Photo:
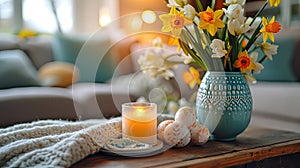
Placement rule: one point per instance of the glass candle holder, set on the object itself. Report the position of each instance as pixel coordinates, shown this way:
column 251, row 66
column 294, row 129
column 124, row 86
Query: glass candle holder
column 139, row 122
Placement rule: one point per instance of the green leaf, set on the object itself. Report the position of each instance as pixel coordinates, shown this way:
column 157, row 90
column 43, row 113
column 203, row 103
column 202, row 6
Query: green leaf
column 233, row 41
column 193, row 54
column 198, row 47
column 199, row 5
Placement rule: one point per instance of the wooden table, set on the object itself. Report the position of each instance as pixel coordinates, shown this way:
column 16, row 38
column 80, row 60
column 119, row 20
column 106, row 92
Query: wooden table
column 256, row 147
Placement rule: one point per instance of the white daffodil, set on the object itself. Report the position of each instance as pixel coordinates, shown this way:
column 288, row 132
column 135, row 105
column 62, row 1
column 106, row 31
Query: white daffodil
column 234, row 11
column 241, row 2
column 249, row 77
column 269, row 49
column 181, row 2
column 237, row 26
column 218, row 48
column 177, row 3
column 258, row 66
column 254, row 25
column 189, row 11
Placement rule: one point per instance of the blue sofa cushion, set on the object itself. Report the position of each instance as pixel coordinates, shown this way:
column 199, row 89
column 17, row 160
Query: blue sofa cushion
column 16, row 70
column 90, row 55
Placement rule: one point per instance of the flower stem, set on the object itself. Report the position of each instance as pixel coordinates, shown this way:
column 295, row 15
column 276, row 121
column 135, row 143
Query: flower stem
column 256, row 47
column 259, row 12
column 230, row 65
column 213, row 4
column 254, row 36
column 235, row 46
column 223, row 33
column 263, row 59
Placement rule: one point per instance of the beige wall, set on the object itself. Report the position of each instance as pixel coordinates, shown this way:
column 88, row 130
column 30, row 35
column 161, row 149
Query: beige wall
column 86, row 14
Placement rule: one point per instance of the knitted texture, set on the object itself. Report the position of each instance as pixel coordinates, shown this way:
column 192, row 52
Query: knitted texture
column 56, row 143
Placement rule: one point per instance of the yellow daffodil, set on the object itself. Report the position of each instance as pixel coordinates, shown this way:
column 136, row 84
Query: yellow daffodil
column 269, row 28
column 191, row 77
column 211, row 21
column 174, row 21
column 244, row 62
column 274, row 3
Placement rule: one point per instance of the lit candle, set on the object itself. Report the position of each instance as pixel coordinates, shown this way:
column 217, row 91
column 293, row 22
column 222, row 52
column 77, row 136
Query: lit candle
column 139, row 122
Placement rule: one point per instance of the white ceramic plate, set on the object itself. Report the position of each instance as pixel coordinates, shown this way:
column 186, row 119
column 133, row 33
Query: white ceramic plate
column 135, row 152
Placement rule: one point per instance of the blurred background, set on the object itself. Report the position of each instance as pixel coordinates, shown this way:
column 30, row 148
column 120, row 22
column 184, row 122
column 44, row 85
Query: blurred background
column 119, row 28
column 77, row 16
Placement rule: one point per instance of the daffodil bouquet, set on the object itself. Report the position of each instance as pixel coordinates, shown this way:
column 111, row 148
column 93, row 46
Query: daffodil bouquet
column 221, row 39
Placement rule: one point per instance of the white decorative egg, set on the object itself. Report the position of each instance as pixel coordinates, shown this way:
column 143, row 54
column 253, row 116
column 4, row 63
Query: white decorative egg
column 161, row 128
column 186, row 115
column 195, row 125
column 185, row 140
column 174, row 132
column 199, row 134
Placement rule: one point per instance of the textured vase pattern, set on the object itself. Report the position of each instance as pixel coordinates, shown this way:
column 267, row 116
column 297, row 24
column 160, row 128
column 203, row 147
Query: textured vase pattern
column 224, row 104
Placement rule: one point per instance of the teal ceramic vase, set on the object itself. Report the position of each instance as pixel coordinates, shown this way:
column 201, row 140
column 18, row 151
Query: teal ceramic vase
column 224, row 104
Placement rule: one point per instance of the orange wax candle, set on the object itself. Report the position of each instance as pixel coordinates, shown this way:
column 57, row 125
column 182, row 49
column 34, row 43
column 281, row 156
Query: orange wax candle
column 139, row 122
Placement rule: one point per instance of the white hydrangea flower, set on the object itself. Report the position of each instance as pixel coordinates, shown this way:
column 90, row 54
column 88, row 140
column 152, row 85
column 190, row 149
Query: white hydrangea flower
column 258, row 66
column 269, row 49
column 189, row 11
column 218, row 48
column 237, row 26
column 241, row 2
column 234, row 11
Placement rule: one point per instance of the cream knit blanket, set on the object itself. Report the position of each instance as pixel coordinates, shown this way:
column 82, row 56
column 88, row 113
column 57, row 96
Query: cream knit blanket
column 55, row 143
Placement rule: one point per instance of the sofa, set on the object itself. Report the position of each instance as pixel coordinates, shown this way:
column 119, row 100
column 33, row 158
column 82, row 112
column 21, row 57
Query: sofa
column 24, row 99
column 276, row 95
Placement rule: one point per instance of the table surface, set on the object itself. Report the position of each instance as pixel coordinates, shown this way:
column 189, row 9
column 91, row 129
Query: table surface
column 254, row 144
